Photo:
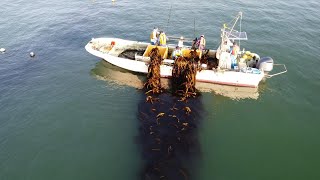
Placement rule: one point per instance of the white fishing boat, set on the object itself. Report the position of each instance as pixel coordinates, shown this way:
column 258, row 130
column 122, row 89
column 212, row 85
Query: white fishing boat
column 244, row 69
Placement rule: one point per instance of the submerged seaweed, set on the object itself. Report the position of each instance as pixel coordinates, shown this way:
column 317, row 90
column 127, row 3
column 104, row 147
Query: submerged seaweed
column 168, row 124
column 168, row 135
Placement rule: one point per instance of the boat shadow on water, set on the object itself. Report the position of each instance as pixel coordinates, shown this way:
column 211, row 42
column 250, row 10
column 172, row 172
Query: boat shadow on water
column 113, row 74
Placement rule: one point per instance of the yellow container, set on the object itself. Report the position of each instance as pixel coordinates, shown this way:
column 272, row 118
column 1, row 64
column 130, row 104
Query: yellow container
column 245, row 56
column 163, row 51
column 186, row 53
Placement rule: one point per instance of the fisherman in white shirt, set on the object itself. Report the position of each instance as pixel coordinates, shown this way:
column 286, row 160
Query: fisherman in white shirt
column 153, row 36
column 180, row 43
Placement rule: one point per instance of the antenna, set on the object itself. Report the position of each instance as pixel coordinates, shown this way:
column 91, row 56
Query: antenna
column 194, row 27
column 169, row 18
column 240, row 30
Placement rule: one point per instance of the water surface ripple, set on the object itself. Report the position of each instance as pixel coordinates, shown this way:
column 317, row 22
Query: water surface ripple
column 58, row 121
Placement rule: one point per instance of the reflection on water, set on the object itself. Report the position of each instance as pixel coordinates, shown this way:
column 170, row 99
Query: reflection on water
column 232, row 92
column 108, row 72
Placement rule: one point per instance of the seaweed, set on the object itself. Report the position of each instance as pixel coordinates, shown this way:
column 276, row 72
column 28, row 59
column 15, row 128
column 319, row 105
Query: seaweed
column 168, row 123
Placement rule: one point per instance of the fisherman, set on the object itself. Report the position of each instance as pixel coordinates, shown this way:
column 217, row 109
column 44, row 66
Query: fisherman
column 153, row 36
column 225, row 47
column 162, row 39
column 195, row 43
column 202, row 43
column 234, row 54
column 235, row 49
column 158, row 38
column 176, row 53
column 180, row 42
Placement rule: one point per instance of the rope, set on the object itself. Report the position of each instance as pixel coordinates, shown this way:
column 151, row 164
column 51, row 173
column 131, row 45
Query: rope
column 240, row 31
column 194, row 27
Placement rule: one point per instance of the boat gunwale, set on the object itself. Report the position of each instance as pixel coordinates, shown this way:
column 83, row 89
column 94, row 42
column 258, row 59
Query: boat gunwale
column 107, row 55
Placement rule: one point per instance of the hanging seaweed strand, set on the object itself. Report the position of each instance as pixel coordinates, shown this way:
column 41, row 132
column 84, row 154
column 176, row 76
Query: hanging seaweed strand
column 153, row 83
column 184, row 75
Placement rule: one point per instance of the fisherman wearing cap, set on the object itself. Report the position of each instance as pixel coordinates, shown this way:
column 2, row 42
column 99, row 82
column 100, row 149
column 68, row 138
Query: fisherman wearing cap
column 176, row 53
column 195, row 43
column 202, row 43
column 234, row 54
column 153, row 36
column 162, row 39
column 235, row 49
column 180, row 43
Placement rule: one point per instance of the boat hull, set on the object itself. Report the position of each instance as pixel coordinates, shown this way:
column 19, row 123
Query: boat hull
column 224, row 77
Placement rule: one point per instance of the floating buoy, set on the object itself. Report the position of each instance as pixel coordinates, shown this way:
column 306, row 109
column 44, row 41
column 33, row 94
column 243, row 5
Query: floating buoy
column 2, row 50
column 32, row 54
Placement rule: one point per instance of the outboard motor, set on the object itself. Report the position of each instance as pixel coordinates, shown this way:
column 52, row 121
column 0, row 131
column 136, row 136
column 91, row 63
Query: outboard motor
column 265, row 64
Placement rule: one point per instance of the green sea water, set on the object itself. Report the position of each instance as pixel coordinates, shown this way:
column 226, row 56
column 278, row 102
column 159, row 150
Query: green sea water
column 65, row 114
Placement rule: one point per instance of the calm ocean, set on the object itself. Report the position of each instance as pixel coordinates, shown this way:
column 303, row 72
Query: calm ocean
column 63, row 116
